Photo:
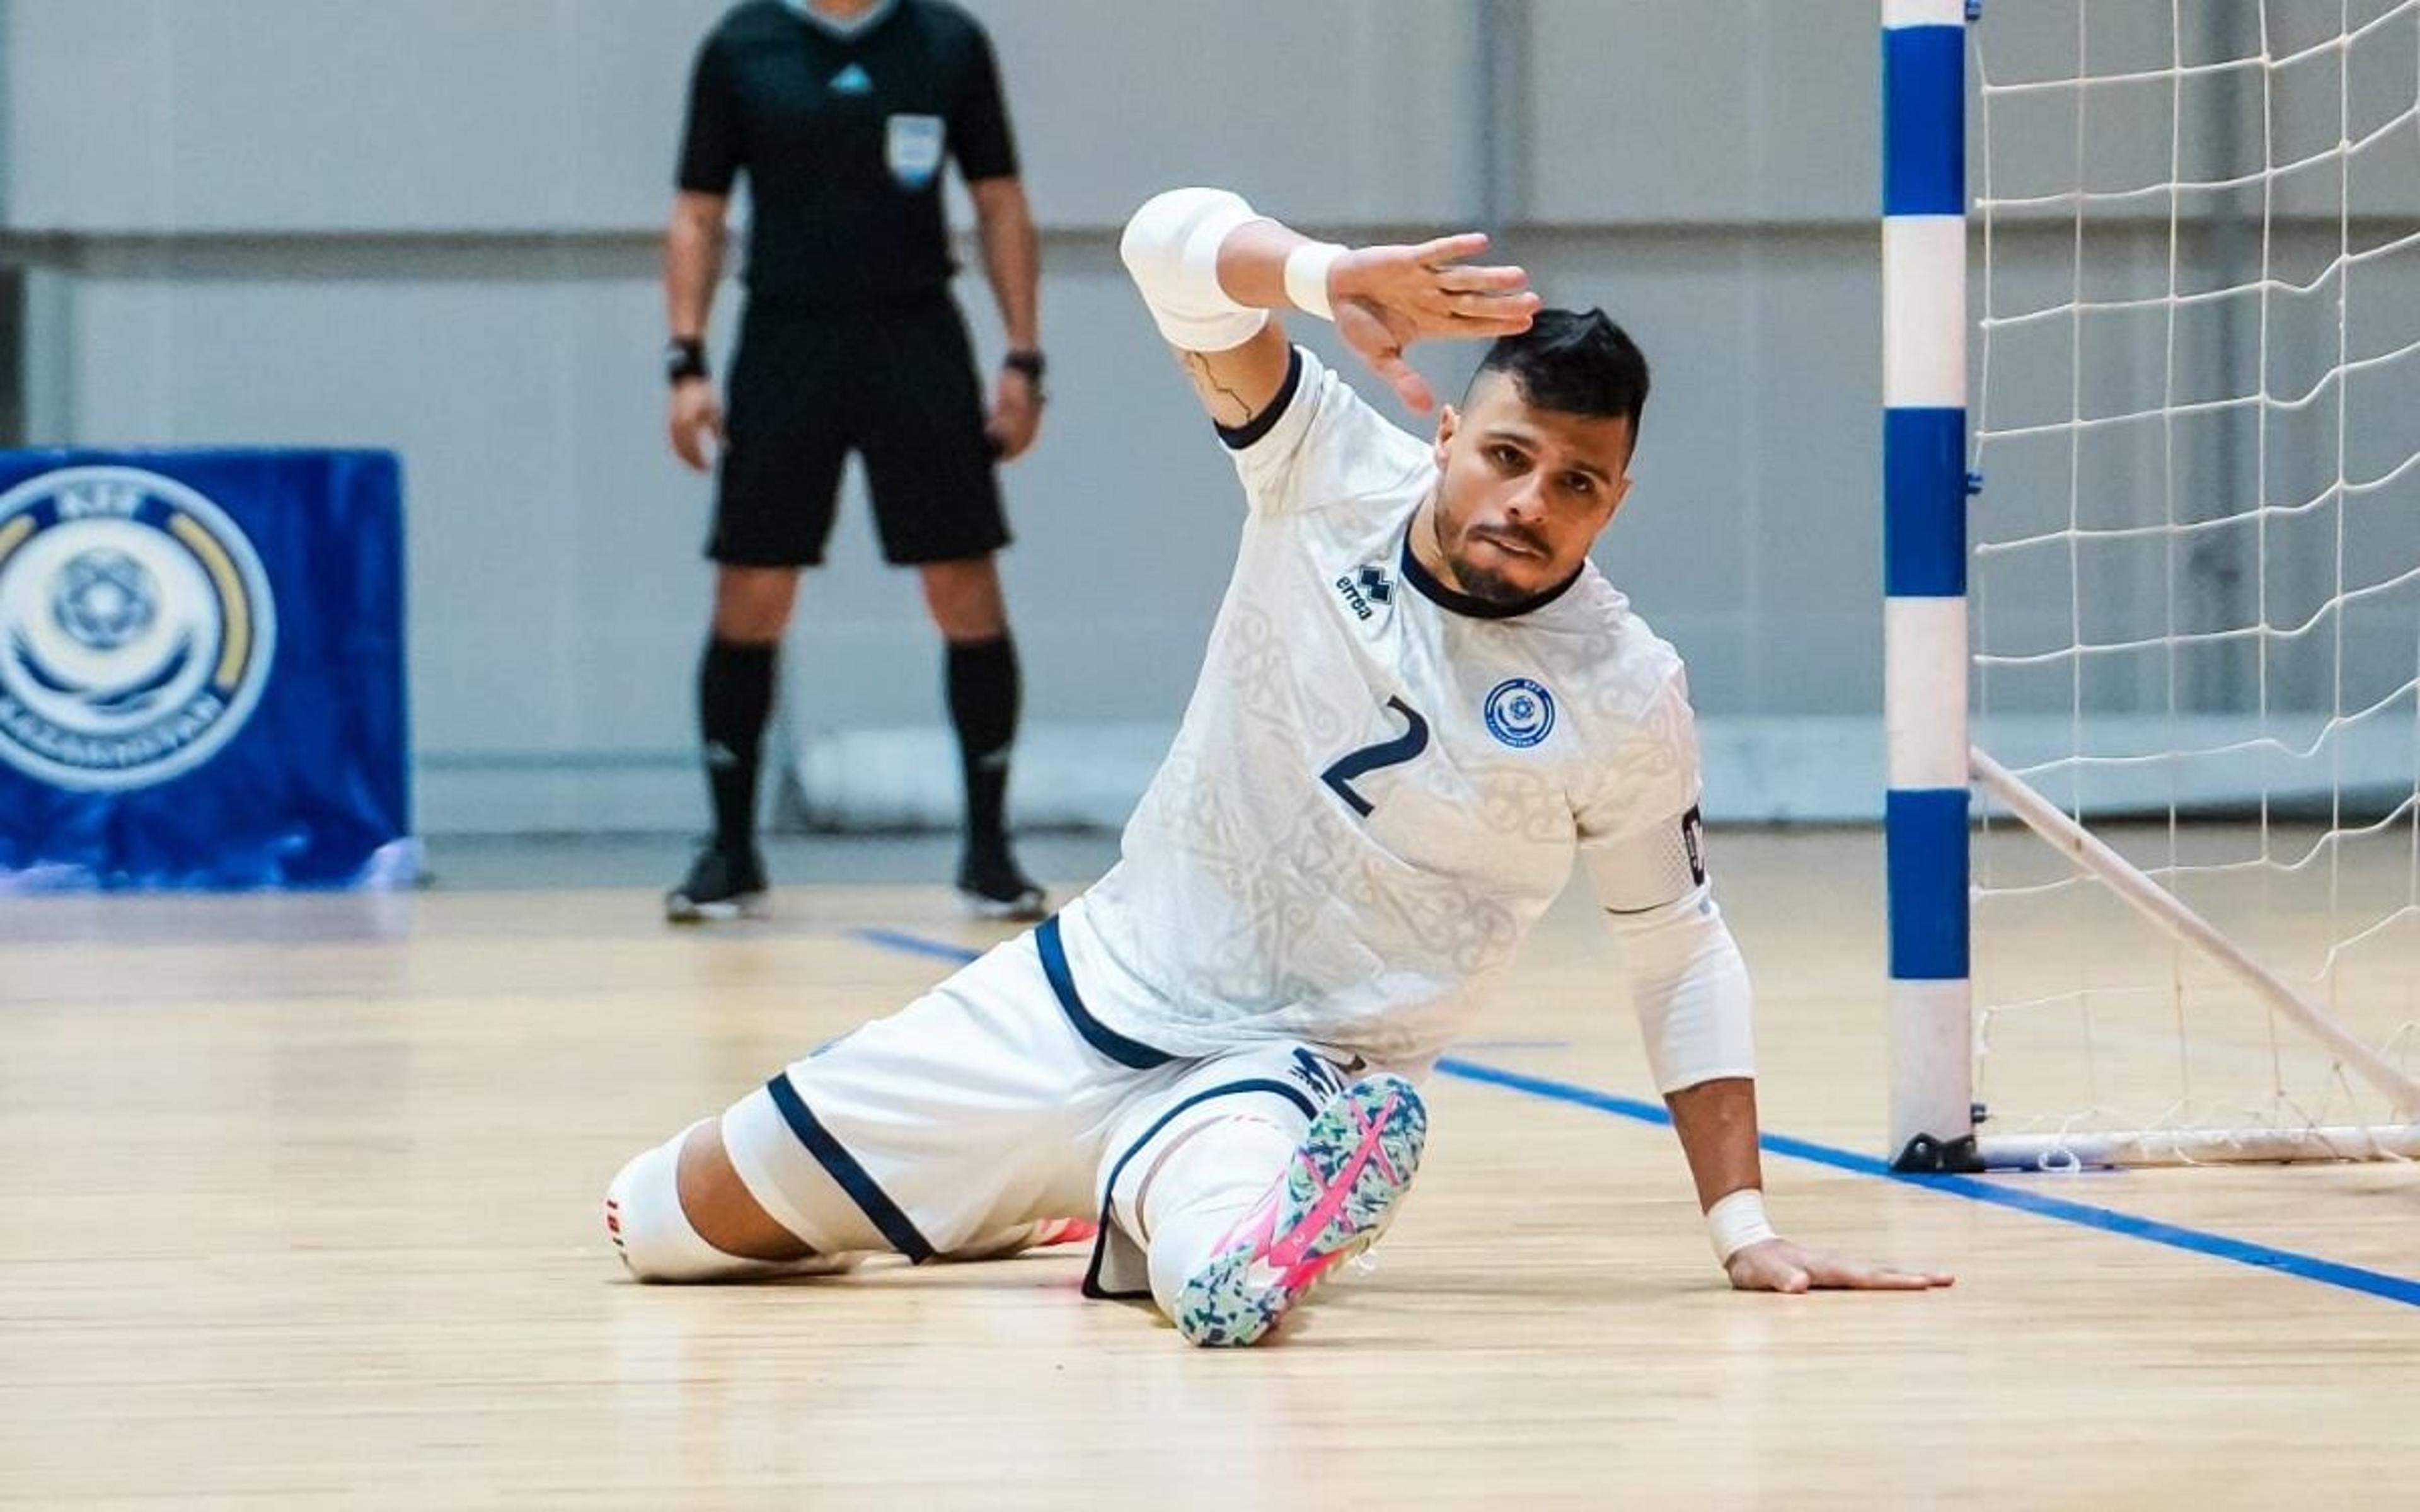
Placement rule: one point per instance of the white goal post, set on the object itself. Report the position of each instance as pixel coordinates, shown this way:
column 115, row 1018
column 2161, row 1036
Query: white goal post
column 2153, row 606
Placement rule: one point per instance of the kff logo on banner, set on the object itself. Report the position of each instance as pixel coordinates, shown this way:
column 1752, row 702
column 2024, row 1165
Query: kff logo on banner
column 136, row 629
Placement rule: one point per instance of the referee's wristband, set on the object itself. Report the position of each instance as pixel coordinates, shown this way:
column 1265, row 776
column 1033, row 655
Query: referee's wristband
column 1736, row 1222
column 684, row 359
column 1029, row 361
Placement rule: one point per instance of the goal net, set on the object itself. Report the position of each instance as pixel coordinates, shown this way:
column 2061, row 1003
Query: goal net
column 2192, row 579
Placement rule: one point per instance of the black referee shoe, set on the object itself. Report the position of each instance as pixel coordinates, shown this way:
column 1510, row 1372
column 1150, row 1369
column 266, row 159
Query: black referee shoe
column 721, row 885
column 992, row 886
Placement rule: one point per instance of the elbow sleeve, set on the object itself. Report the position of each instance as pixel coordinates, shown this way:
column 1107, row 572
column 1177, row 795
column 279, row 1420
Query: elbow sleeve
column 1170, row 249
column 1690, row 988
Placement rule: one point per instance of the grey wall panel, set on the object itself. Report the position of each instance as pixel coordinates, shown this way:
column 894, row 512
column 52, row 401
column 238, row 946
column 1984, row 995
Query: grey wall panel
column 90, row 120
column 431, row 225
column 1352, row 112
column 8, row 149
column 627, row 66
column 1720, row 110
column 515, row 116
column 346, row 116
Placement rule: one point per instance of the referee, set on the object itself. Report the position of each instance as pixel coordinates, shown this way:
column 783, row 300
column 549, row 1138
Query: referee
column 841, row 114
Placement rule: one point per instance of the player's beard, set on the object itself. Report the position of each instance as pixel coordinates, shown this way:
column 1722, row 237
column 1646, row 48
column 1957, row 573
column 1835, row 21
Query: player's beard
column 1490, row 584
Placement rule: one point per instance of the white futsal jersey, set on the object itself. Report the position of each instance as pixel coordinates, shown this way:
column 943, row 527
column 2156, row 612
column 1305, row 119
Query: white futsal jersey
column 1380, row 783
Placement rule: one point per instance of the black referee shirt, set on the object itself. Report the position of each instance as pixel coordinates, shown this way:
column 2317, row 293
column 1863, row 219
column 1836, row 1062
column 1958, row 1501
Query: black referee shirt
column 843, row 138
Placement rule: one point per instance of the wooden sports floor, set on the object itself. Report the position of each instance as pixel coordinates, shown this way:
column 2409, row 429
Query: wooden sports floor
column 299, row 1207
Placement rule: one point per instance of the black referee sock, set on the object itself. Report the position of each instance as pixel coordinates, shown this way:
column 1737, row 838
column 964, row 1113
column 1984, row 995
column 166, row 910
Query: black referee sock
column 734, row 695
column 984, row 696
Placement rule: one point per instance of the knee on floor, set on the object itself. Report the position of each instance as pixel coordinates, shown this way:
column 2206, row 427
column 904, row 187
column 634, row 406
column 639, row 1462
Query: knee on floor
column 651, row 1229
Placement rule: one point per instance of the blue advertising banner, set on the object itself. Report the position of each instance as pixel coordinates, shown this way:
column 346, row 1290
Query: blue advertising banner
column 202, row 671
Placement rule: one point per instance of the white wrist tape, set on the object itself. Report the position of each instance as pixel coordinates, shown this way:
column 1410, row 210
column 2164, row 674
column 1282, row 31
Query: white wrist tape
column 1736, row 1222
column 1171, row 248
column 1306, row 276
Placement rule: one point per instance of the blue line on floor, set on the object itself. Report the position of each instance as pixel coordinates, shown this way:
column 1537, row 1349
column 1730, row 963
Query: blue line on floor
column 2001, row 1192
column 891, row 940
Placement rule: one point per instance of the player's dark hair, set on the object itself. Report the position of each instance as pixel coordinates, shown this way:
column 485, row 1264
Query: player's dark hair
column 1581, row 364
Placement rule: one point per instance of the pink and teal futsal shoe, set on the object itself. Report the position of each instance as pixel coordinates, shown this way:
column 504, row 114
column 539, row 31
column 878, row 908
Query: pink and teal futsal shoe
column 1352, row 1170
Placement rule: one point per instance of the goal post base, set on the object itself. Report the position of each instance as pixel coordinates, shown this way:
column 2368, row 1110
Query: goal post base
column 2081, row 1149
column 1924, row 1155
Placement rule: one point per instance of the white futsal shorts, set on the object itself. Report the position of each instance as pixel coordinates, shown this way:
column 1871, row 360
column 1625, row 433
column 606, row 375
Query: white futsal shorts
column 992, row 1101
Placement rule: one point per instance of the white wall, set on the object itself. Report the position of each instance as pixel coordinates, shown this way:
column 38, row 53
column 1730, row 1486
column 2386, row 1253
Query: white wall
column 432, row 224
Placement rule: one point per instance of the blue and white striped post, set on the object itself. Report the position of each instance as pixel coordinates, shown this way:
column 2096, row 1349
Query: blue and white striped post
column 1924, row 579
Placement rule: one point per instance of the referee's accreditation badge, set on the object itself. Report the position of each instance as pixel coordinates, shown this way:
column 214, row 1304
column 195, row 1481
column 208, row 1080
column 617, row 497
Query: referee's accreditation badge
column 912, row 147
column 136, row 629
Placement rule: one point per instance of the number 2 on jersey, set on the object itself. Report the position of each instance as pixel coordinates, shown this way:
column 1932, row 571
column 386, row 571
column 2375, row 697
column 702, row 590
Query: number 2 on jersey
column 1395, row 752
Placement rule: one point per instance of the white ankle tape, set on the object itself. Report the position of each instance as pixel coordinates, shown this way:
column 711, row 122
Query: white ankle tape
column 1736, row 1222
column 643, row 1214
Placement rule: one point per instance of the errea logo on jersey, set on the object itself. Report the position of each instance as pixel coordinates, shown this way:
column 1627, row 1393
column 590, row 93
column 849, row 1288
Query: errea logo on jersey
column 1366, row 589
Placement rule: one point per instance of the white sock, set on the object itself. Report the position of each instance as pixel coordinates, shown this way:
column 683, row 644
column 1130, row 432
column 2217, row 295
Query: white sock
column 644, row 1216
column 1201, row 1189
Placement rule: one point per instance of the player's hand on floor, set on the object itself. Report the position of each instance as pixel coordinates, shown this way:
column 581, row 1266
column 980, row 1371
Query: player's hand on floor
column 1387, row 297
column 1016, row 415
column 1779, row 1265
column 696, row 423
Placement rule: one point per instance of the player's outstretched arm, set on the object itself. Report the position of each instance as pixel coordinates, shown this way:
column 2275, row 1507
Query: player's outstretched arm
column 1212, row 268
column 1716, row 1122
column 1696, row 1012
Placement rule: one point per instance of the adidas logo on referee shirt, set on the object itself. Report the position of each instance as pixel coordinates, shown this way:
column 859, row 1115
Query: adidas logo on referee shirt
column 852, row 80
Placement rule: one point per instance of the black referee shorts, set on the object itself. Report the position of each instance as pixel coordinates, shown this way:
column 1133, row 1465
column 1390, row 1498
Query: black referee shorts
column 894, row 383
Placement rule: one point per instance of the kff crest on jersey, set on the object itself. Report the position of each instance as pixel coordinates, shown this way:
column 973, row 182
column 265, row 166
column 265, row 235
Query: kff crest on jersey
column 1520, row 712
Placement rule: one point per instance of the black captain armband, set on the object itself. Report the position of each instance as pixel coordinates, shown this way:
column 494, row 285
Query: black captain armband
column 684, row 359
